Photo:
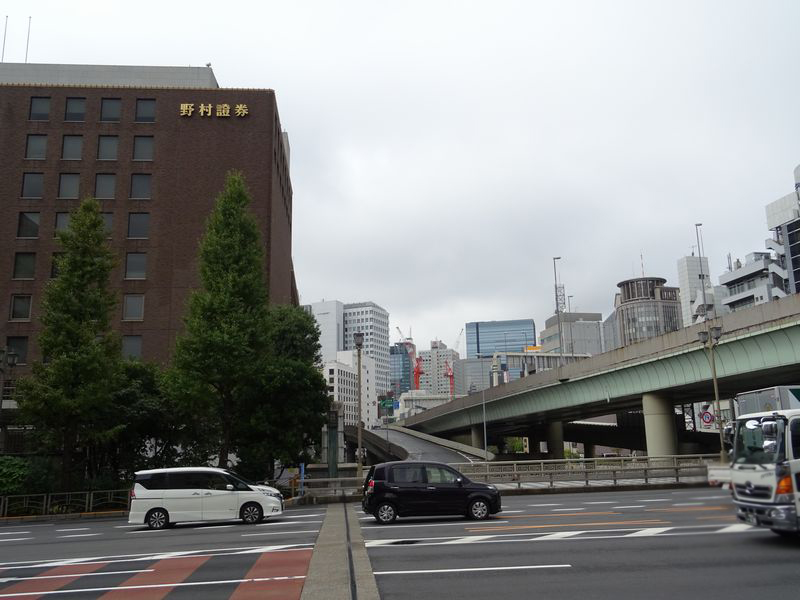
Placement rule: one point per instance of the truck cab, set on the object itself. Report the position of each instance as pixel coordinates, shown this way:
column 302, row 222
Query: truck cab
column 765, row 471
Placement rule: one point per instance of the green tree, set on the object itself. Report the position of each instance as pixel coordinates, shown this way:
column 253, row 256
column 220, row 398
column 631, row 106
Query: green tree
column 68, row 396
column 219, row 357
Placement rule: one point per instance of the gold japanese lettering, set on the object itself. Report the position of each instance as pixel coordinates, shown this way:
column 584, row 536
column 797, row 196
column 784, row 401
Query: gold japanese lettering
column 204, row 110
column 240, row 110
column 223, row 110
column 187, row 110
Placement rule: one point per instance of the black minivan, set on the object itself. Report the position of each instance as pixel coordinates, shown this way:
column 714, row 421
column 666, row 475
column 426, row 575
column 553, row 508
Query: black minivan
column 425, row 488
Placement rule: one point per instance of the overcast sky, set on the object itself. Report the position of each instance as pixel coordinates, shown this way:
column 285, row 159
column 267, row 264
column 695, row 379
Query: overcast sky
column 444, row 152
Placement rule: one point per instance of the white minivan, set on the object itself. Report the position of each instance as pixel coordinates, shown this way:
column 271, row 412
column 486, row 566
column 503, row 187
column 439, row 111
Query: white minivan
column 161, row 497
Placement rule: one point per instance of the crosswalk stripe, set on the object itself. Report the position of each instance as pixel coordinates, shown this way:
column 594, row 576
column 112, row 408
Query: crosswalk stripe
column 48, row 581
column 289, row 568
column 735, row 528
column 650, row 531
column 168, row 571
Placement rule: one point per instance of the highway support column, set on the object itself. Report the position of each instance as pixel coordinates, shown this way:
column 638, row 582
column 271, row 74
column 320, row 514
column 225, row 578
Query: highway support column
column 476, row 436
column 659, row 425
column 555, row 440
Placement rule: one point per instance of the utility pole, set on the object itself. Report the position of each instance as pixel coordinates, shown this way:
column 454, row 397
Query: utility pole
column 358, row 338
column 558, row 314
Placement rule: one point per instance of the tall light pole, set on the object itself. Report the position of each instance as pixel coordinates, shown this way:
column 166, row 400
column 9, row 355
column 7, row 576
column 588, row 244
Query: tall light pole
column 558, row 314
column 571, row 323
column 710, row 338
column 485, row 446
column 358, row 338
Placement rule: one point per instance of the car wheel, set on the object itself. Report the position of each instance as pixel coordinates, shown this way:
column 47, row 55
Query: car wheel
column 251, row 513
column 478, row 509
column 385, row 513
column 158, row 518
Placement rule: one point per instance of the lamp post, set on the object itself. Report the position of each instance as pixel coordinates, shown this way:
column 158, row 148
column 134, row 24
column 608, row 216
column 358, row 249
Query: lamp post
column 571, row 322
column 710, row 338
column 358, row 338
column 485, row 446
column 558, row 314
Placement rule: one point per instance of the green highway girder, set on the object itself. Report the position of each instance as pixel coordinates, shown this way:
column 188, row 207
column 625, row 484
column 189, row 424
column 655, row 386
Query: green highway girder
column 749, row 352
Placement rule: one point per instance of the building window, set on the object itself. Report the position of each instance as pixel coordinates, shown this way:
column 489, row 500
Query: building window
column 72, row 147
column 133, row 307
column 136, row 265
column 32, row 185
column 54, row 265
column 62, row 221
column 20, row 308
column 104, row 185
column 132, row 346
column 76, row 109
column 107, row 147
column 36, row 148
column 68, row 184
column 145, row 111
column 110, row 110
column 19, row 344
column 108, row 222
column 138, row 225
column 140, row 186
column 143, row 147
column 28, row 225
column 24, row 265
column 40, row 109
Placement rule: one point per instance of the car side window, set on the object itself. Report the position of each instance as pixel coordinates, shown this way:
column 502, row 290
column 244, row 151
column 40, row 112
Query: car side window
column 440, row 475
column 794, row 430
column 408, row 474
column 238, row 484
column 186, row 481
column 215, row 481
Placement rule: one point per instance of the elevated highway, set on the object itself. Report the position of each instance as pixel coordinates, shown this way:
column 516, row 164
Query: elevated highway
column 760, row 347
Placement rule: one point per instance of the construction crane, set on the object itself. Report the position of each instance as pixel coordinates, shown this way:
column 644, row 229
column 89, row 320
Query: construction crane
column 458, row 340
column 417, row 371
column 449, row 373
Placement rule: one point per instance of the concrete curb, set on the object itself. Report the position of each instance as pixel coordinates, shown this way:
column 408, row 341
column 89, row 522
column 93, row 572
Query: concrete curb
column 333, row 574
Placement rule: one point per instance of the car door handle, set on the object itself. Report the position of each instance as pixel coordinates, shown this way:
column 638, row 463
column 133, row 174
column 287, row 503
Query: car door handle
column 430, row 487
column 195, row 493
column 207, row 494
column 394, row 487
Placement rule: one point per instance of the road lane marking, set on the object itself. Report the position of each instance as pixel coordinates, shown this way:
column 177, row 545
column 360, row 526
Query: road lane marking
column 14, row 532
column 16, row 539
column 512, row 511
column 469, row 539
column 736, row 528
column 510, row 527
column 74, row 535
column 13, row 579
column 648, row 532
column 127, row 526
column 214, row 527
column 631, row 506
column 305, row 516
column 654, row 500
column 688, row 504
column 559, row 535
column 154, row 586
column 689, row 509
column 473, row 569
column 550, row 515
column 545, row 505
column 384, row 527
column 717, row 497
column 280, row 533
column 73, row 529
column 603, row 502
column 286, row 523
column 567, row 509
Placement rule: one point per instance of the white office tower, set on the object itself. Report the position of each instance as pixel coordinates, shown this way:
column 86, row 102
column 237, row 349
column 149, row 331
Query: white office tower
column 694, row 307
column 373, row 321
column 436, row 365
column 330, row 318
column 341, row 376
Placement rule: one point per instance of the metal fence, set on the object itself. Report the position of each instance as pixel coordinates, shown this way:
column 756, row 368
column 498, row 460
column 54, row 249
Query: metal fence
column 61, row 503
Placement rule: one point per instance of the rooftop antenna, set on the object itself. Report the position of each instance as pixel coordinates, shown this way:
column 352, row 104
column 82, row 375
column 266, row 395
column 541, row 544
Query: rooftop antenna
column 5, row 31
column 28, row 41
column 641, row 258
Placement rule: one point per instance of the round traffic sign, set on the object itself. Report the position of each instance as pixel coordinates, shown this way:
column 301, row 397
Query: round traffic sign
column 707, row 417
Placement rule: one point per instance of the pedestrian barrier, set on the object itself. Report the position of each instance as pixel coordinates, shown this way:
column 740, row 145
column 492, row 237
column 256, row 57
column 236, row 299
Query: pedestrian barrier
column 60, row 503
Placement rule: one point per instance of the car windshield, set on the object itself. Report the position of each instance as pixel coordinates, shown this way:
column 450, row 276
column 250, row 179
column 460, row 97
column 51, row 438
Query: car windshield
column 754, row 448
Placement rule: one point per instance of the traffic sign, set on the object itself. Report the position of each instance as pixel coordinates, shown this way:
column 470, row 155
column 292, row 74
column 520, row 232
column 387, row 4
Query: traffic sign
column 707, row 418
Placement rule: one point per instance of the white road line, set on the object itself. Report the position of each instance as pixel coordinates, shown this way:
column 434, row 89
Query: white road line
column 16, row 539
column 735, row 528
column 469, row 539
column 473, row 569
column 650, row 531
column 303, row 516
column 545, row 505
column 153, row 586
column 559, row 535
column 385, row 527
column 127, row 526
column 631, row 506
column 654, row 500
column 566, row 509
column 728, row 496
column 214, row 527
column 512, row 511
column 73, row 529
column 14, row 532
column 74, row 535
column 689, row 504
column 286, row 523
column 603, row 502
column 13, row 579
column 280, row 532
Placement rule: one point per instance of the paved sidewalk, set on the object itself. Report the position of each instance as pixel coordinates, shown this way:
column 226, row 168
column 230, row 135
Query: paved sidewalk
column 340, row 568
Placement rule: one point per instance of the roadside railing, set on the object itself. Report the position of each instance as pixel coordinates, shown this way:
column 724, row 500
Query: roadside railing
column 60, row 503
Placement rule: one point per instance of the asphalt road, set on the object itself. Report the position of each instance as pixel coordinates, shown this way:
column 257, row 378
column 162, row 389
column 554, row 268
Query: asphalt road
column 111, row 559
column 633, row 545
column 422, row 450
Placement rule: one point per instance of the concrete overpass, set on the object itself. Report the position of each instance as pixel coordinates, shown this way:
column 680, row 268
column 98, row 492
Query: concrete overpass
column 760, row 347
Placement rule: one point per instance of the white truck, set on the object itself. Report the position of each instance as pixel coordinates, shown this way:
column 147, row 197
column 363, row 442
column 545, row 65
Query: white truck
column 765, row 470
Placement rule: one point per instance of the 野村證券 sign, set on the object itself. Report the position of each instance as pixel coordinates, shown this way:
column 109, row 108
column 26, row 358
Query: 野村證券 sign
column 222, row 111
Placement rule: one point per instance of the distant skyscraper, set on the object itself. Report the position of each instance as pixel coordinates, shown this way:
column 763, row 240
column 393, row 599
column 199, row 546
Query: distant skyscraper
column 434, row 365
column 694, row 307
column 484, row 338
column 330, row 318
column 401, row 366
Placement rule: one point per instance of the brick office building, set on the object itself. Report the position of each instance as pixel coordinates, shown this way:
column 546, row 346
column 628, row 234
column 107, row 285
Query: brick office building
column 153, row 145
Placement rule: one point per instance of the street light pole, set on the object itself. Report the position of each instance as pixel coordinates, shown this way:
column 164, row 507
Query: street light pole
column 358, row 338
column 558, row 314
column 571, row 323
column 485, row 446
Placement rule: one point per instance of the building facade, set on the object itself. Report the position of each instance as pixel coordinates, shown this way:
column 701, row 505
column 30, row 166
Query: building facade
column 645, row 308
column 153, row 145
column 484, row 338
column 330, row 319
column 760, row 279
column 401, row 367
column 437, row 363
column 373, row 321
column 342, row 378
column 582, row 333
